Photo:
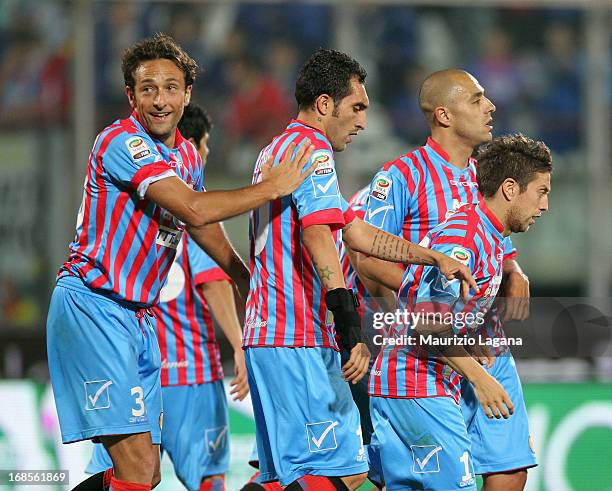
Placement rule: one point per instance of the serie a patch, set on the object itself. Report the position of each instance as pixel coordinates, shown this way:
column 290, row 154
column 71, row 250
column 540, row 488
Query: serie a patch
column 323, row 162
column 381, row 188
column 460, row 254
column 137, row 147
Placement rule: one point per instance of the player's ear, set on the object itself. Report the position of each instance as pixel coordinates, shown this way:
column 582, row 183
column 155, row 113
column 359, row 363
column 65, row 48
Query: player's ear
column 510, row 189
column 442, row 116
column 188, row 94
column 324, row 104
column 129, row 92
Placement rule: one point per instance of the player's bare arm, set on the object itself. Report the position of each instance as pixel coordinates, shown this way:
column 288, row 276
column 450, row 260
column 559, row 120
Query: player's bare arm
column 320, row 245
column 365, row 238
column 387, row 297
column 219, row 296
column 213, row 240
column 379, row 271
column 202, row 208
column 492, row 397
column 515, row 290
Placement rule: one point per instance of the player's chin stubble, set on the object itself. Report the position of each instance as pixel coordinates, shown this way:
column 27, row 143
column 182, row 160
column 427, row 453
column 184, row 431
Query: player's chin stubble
column 515, row 222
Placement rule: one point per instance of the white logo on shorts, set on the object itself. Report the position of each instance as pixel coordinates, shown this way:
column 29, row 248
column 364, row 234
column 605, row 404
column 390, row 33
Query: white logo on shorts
column 96, row 394
column 321, row 436
column 216, row 439
column 425, row 458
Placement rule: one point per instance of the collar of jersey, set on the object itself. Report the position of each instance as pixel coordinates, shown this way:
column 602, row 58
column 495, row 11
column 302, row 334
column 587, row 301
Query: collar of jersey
column 444, row 157
column 178, row 138
column 490, row 220
column 300, row 122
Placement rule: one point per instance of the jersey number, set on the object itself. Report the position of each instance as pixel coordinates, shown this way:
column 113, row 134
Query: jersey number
column 138, row 392
column 465, row 459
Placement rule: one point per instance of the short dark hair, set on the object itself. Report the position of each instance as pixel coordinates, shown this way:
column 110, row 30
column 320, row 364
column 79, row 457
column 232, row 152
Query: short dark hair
column 327, row 72
column 511, row 156
column 160, row 46
column 195, row 123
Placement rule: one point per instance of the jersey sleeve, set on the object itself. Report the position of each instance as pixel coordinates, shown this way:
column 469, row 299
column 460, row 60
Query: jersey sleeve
column 134, row 161
column 388, row 201
column 318, row 199
column 202, row 266
column 509, row 249
column 348, row 212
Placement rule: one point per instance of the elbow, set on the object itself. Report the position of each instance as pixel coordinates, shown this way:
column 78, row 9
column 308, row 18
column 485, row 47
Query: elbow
column 197, row 216
column 359, row 238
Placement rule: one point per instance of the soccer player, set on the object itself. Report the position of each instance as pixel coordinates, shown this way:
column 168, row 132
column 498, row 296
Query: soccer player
column 415, row 387
column 308, row 432
column 417, row 191
column 143, row 188
column 195, row 430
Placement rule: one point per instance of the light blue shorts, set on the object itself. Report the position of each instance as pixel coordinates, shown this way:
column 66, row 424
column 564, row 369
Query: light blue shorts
column 104, row 364
column 195, row 433
column 499, row 445
column 305, row 417
column 423, row 444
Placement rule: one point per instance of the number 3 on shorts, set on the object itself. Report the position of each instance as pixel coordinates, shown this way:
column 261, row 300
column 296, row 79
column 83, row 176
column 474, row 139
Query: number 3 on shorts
column 138, row 392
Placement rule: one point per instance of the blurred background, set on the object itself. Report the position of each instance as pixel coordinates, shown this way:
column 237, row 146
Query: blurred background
column 544, row 63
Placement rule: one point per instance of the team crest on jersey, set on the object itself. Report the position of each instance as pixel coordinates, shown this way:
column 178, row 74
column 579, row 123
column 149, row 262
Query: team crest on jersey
column 456, row 205
column 460, row 254
column 324, row 162
column 137, row 147
column 382, row 186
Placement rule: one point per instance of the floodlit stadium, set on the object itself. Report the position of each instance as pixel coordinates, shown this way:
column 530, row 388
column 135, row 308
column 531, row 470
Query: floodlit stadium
column 545, row 65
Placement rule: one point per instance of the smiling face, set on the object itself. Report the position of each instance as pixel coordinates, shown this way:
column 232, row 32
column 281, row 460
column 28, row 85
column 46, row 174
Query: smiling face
column 348, row 117
column 159, row 96
column 529, row 204
column 471, row 112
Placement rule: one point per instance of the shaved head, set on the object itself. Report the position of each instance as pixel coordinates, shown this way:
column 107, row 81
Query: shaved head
column 456, row 108
column 441, row 88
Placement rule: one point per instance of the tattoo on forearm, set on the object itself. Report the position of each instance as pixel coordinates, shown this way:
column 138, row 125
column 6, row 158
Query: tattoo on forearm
column 326, row 273
column 392, row 248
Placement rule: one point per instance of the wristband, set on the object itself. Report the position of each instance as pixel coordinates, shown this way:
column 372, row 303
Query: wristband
column 343, row 305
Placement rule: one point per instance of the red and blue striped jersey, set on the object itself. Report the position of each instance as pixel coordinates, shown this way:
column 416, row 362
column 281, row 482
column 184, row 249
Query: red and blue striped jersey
column 414, row 193
column 125, row 243
column 286, row 305
column 358, row 204
column 190, row 353
column 472, row 235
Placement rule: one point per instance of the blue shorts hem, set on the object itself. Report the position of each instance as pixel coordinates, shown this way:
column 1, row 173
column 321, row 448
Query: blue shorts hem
column 514, row 465
column 266, row 477
column 342, row 471
column 108, row 431
column 94, row 468
column 214, row 470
